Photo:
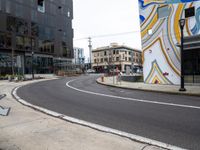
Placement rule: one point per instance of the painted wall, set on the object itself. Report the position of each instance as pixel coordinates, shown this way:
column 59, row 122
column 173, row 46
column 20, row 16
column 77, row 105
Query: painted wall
column 161, row 56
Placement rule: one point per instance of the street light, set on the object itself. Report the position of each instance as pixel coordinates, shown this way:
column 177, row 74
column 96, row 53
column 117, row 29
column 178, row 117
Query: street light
column 182, row 24
column 32, row 70
column 90, row 51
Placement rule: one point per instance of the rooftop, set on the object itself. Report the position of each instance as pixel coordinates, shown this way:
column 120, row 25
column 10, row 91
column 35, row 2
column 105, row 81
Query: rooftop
column 115, row 46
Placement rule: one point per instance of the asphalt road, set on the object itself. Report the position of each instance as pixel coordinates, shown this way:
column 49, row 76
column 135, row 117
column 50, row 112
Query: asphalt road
column 176, row 125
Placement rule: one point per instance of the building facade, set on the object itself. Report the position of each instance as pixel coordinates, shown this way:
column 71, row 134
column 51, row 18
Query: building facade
column 35, row 34
column 105, row 59
column 161, row 34
column 79, row 58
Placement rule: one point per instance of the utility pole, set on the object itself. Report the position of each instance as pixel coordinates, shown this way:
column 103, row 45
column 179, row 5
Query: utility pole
column 90, row 51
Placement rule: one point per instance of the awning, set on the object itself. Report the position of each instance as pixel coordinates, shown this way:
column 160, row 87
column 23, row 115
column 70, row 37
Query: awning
column 191, row 42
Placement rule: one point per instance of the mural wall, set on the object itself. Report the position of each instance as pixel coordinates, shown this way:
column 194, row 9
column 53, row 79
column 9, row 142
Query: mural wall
column 161, row 56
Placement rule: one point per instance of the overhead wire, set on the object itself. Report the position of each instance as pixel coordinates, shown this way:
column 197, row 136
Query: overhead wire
column 107, row 35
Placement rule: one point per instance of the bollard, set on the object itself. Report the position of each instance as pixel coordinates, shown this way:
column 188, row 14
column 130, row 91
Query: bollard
column 102, row 79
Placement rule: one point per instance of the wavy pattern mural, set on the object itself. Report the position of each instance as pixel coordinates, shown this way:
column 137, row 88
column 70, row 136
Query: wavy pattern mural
column 161, row 56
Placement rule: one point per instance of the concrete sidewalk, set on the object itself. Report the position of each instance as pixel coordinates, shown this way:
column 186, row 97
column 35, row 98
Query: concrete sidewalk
column 172, row 89
column 28, row 129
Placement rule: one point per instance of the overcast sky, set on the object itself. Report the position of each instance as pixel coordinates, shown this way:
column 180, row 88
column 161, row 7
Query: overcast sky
column 106, row 17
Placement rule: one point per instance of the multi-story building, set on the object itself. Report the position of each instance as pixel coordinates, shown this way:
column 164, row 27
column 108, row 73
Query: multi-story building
column 161, row 35
column 79, row 58
column 35, row 33
column 116, row 57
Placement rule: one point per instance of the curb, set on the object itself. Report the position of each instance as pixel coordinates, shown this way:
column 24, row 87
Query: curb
column 97, row 127
column 147, row 90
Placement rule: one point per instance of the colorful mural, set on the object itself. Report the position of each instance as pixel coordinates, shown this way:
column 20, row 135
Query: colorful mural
column 161, row 56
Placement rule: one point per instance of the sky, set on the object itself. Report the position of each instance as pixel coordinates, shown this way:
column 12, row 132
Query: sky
column 106, row 21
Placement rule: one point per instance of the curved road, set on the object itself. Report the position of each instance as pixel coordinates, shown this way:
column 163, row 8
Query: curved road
column 173, row 124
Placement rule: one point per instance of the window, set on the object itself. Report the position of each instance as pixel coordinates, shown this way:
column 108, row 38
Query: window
column 8, row 41
column 20, row 1
column 0, row 5
column 33, row 44
column 117, row 52
column 101, row 59
column 117, row 58
column 8, row 6
column 113, row 51
column 105, row 53
column 2, row 40
column 19, row 42
column 63, row 2
column 27, row 43
column 163, row 11
column 32, row 3
column 53, row 8
column 11, row 24
column 41, row 6
column 21, row 26
column 34, row 29
column 19, row 10
column 34, row 15
column 68, row 13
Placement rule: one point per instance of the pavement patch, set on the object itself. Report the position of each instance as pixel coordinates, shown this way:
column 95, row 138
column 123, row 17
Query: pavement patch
column 4, row 111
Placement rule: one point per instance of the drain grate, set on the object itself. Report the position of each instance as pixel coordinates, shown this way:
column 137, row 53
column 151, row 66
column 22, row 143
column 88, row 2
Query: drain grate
column 4, row 111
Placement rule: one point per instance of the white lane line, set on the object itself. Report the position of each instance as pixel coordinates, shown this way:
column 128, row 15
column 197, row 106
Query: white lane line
column 131, row 99
column 95, row 126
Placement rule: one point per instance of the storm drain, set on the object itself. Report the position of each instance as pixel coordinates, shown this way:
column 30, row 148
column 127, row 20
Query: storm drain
column 4, row 111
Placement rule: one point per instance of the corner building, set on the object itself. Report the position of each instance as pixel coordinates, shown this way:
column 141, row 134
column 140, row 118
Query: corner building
column 160, row 32
column 35, row 33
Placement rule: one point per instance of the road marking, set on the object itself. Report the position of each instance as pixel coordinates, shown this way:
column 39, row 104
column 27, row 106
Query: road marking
column 131, row 99
column 95, row 126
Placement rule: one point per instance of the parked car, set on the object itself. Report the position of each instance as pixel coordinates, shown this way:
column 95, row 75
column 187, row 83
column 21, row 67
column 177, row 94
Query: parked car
column 90, row 71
